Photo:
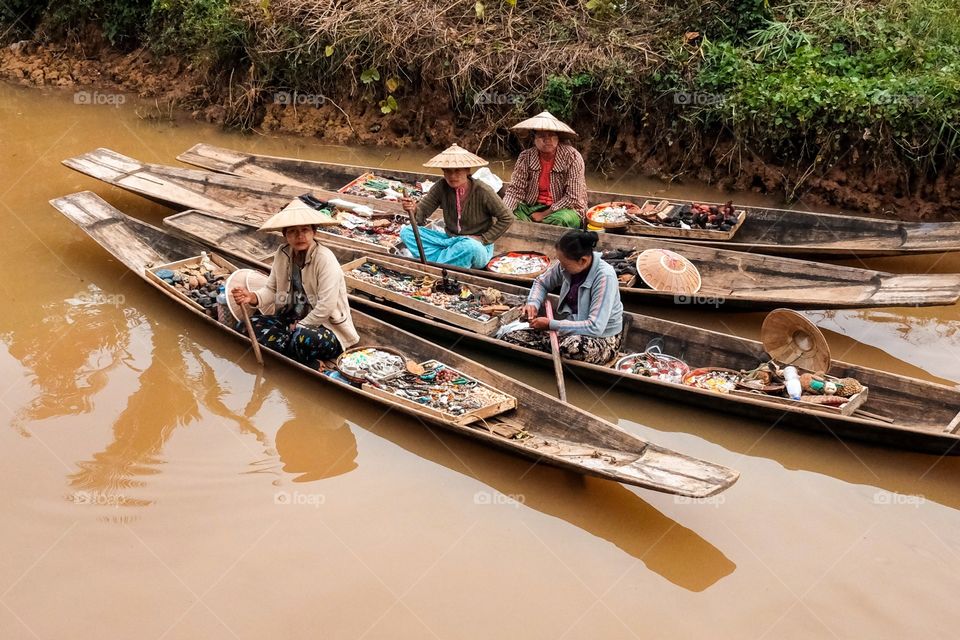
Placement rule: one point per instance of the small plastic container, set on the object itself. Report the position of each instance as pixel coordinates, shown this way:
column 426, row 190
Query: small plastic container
column 792, row 379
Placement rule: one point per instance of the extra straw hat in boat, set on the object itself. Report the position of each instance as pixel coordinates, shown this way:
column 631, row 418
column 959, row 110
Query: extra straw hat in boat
column 792, row 339
column 665, row 270
column 248, row 279
column 455, row 157
column 296, row 214
column 544, row 121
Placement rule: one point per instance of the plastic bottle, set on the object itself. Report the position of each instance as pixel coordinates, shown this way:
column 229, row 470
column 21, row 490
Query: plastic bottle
column 794, row 389
column 223, row 311
column 205, row 263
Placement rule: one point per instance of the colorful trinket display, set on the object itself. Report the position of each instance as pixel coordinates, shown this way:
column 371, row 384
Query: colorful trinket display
column 519, row 263
column 200, row 281
column 713, row 379
column 444, row 389
column 365, row 364
column 445, row 293
column 654, row 365
column 612, row 215
column 384, row 232
column 370, row 185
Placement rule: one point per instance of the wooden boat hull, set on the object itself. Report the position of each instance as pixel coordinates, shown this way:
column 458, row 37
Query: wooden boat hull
column 730, row 278
column 621, row 456
column 927, row 415
column 766, row 230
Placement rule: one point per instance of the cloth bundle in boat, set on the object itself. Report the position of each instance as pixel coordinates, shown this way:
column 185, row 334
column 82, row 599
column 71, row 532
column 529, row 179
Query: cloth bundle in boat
column 458, row 251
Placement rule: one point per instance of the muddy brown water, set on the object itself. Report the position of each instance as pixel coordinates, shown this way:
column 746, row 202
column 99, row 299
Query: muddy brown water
column 156, row 486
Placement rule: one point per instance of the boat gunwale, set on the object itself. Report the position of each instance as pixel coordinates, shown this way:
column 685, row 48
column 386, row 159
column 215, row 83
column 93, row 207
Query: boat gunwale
column 504, row 383
column 865, row 288
column 666, row 388
column 597, row 196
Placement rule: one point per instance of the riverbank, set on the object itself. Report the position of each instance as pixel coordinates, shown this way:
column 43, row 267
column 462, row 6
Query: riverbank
column 839, row 104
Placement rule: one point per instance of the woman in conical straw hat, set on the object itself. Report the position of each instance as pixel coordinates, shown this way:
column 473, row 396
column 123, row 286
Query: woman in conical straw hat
column 303, row 308
column 548, row 183
column 473, row 215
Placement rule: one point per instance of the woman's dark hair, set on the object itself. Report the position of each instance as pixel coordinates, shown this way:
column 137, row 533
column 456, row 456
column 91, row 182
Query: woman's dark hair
column 576, row 244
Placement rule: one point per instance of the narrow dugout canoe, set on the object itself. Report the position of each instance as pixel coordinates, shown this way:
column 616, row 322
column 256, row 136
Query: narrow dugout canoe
column 766, row 230
column 926, row 415
column 559, row 434
column 730, row 278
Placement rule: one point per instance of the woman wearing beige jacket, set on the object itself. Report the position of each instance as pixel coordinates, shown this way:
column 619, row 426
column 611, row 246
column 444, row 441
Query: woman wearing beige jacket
column 303, row 308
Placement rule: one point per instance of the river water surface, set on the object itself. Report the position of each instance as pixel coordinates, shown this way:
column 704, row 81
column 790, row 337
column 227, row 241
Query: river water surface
column 156, row 485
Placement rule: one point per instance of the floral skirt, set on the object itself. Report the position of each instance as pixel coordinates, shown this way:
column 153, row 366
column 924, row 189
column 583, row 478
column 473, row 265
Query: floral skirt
column 572, row 345
column 306, row 345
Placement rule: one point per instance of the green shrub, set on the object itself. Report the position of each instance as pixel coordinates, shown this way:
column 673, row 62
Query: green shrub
column 206, row 30
column 123, row 21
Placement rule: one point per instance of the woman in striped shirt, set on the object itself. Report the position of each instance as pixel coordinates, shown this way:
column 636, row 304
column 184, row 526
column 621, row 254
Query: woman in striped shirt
column 548, row 183
column 589, row 303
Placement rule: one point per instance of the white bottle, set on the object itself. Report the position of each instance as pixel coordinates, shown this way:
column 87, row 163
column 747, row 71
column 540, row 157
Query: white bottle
column 793, row 382
column 205, row 263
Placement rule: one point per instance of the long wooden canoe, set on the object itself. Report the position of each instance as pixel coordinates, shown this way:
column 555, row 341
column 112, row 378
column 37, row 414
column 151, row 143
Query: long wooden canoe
column 730, row 278
column 559, row 434
column 902, row 411
column 766, row 230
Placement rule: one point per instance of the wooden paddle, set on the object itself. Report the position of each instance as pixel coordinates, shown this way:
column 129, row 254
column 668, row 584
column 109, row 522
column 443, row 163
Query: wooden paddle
column 251, row 333
column 555, row 349
column 416, row 230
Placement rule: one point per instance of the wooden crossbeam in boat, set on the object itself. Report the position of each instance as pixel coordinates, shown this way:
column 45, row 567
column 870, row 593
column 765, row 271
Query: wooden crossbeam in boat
column 954, row 424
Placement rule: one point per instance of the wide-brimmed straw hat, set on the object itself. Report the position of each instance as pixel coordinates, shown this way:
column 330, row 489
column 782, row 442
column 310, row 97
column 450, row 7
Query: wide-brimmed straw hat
column 790, row 338
column 455, row 157
column 296, row 214
column 544, row 121
column 248, row 279
column 665, row 270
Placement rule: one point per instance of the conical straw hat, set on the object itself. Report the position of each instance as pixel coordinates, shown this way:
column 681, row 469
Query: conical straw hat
column 792, row 339
column 455, row 157
column 248, row 279
column 665, row 270
column 544, row 121
column 296, row 214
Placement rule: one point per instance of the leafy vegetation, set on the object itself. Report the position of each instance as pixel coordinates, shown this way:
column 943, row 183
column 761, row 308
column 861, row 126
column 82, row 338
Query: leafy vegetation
column 793, row 81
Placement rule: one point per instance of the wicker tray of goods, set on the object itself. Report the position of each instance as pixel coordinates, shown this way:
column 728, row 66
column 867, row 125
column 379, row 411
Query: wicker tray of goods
column 694, row 221
column 527, row 264
column 613, row 215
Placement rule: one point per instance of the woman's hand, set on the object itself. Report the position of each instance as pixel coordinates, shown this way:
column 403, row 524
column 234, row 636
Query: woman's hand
column 242, row 296
column 529, row 312
column 409, row 204
column 540, row 324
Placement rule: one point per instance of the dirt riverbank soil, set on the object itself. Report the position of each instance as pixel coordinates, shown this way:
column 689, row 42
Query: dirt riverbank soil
column 172, row 84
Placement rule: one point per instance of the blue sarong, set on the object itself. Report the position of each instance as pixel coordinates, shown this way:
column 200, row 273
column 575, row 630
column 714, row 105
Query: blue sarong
column 458, row 251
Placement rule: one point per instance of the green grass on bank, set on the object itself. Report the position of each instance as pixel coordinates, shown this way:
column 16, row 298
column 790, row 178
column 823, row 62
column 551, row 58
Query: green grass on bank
column 795, row 82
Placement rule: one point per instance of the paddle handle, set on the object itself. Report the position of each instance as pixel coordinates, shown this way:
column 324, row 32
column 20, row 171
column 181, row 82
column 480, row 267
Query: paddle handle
column 250, row 332
column 416, row 231
column 555, row 350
